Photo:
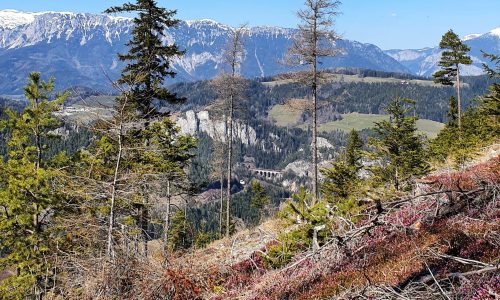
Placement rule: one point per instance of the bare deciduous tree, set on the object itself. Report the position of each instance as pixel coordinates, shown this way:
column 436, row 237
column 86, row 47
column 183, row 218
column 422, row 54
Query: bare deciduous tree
column 229, row 87
column 314, row 40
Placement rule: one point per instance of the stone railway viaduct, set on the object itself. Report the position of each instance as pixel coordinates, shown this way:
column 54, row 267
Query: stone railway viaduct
column 267, row 174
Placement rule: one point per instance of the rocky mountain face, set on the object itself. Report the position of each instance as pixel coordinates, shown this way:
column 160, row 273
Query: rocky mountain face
column 424, row 62
column 193, row 123
column 80, row 49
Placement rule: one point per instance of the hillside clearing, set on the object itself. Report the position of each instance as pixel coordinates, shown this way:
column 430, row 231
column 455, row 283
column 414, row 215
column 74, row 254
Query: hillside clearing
column 357, row 79
column 285, row 116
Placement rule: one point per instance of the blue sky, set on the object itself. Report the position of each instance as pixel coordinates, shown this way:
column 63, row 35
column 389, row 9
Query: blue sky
column 386, row 23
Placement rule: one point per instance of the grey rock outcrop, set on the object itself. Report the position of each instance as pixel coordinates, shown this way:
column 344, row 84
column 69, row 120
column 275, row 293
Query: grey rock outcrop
column 193, row 123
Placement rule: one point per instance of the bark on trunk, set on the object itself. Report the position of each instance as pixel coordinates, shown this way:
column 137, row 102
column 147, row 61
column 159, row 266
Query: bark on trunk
column 459, row 102
column 314, row 114
column 221, row 216
column 229, row 162
column 166, row 226
column 109, row 250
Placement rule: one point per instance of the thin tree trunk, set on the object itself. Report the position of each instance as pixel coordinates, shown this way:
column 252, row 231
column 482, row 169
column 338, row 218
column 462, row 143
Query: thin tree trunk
column 109, row 251
column 459, row 102
column 145, row 220
column 221, row 202
column 315, row 117
column 38, row 139
column 229, row 162
column 166, row 226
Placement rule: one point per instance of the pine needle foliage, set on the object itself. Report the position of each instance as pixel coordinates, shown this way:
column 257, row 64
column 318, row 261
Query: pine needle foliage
column 29, row 198
column 149, row 59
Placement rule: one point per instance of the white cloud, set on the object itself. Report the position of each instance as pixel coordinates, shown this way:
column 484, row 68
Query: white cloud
column 394, row 14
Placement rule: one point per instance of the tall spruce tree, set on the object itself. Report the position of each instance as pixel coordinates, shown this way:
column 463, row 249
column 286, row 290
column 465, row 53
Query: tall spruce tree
column 142, row 90
column 398, row 146
column 313, row 42
column 454, row 55
column 29, row 199
column 148, row 58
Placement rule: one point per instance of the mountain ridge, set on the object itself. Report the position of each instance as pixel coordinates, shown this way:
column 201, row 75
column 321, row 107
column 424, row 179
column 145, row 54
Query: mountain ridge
column 82, row 47
column 424, row 61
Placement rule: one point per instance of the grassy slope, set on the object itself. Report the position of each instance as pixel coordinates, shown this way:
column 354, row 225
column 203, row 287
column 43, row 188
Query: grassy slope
column 355, row 79
column 286, row 116
column 364, row 121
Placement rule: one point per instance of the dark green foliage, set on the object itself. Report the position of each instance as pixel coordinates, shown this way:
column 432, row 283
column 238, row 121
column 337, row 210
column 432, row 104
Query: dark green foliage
column 29, row 196
column 490, row 103
column 203, row 239
column 455, row 54
column 260, row 200
column 452, row 111
column 281, row 252
column 342, row 185
column 398, row 147
column 362, row 97
column 480, row 126
column 181, row 232
column 353, row 150
column 149, row 59
column 340, row 181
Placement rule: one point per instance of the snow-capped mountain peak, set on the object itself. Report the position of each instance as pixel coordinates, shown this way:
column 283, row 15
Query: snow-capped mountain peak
column 425, row 61
column 82, row 48
column 202, row 21
column 12, row 18
column 472, row 36
column 495, row 32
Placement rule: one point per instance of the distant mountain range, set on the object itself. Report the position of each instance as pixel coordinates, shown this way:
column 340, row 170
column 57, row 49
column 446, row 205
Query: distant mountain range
column 80, row 49
column 424, row 62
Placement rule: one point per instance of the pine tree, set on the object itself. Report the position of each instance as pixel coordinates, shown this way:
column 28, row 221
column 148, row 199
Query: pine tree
column 490, row 103
column 181, row 232
column 342, row 184
column 353, row 151
column 312, row 43
column 480, row 125
column 455, row 54
column 398, row 146
column 259, row 199
column 452, row 111
column 29, row 199
column 149, row 60
column 137, row 124
column 340, row 180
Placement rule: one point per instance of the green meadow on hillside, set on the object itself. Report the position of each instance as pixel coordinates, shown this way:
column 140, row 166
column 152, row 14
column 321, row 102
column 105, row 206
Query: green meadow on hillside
column 285, row 116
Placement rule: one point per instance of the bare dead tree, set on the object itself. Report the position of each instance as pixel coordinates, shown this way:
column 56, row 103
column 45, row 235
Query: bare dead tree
column 229, row 87
column 218, row 171
column 314, row 41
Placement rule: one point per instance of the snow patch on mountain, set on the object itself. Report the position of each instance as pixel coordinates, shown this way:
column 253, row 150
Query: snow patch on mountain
column 472, row 36
column 495, row 32
column 424, row 62
column 79, row 47
column 12, row 18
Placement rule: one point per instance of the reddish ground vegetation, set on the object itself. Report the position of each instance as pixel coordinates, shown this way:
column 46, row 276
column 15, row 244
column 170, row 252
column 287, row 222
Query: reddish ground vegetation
column 471, row 178
column 438, row 236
